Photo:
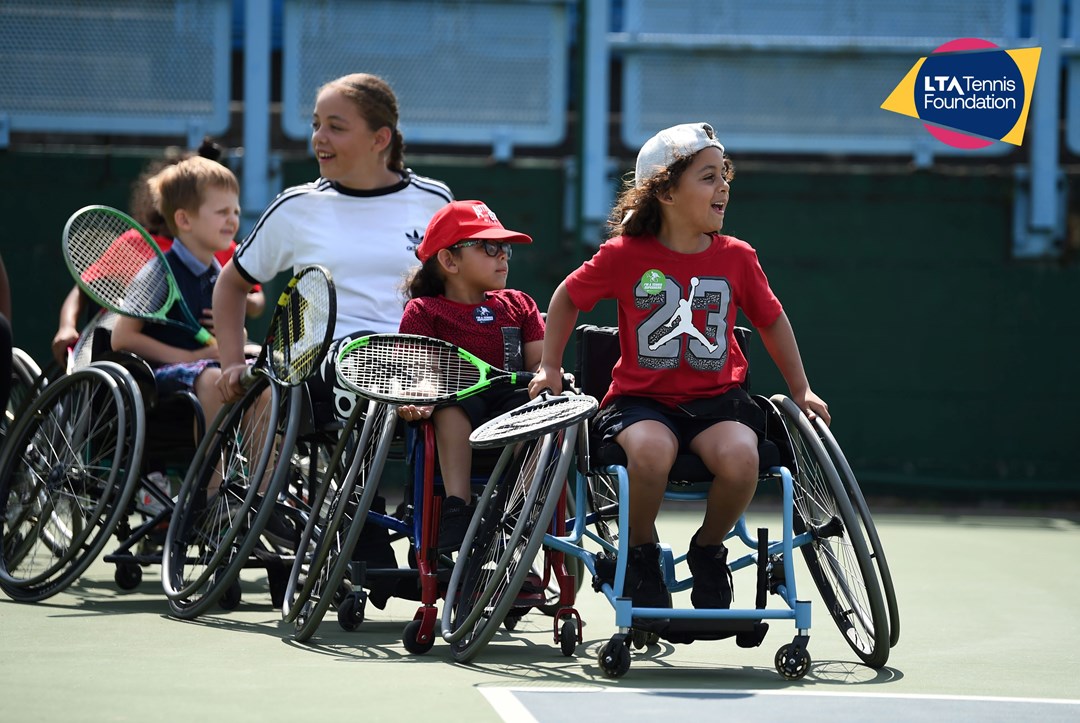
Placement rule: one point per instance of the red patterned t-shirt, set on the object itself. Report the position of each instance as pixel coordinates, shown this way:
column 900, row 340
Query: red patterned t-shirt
column 496, row 330
column 676, row 313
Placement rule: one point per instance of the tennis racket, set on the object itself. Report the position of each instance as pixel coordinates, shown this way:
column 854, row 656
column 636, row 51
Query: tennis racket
column 412, row 369
column 547, row 413
column 116, row 262
column 301, row 330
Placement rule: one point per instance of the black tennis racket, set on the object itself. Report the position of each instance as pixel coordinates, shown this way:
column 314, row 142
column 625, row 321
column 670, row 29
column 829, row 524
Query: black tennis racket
column 116, row 262
column 412, row 369
column 301, row 330
column 547, row 413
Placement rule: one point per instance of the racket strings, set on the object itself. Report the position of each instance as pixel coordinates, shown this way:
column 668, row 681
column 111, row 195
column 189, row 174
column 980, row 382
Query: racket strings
column 300, row 339
column 535, row 416
column 407, row 369
column 117, row 263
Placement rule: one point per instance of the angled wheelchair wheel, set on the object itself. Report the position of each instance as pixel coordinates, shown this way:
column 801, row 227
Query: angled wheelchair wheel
column 858, row 501
column 65, row 478
column 837, row 556
column 346, row 515
column 602, row 500
column 507, row 531
column 26, row 382
column 219, row 512
column 317, row 467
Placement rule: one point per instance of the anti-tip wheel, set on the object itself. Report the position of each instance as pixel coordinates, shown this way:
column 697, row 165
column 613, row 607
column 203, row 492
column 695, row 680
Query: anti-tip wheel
column 614, row 657
column 128, row 575
column 351, row 611
column 411, row 638
column 568, row 637
column 792, row 662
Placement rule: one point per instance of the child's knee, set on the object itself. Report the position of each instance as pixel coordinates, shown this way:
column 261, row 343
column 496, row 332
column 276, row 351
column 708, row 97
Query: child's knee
column 652, row 453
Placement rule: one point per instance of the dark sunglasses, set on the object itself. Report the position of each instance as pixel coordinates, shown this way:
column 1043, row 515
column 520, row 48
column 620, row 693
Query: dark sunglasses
column 491, row 248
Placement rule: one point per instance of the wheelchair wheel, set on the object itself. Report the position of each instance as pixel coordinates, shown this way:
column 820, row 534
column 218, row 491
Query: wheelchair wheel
column 851, row 484
column 498, row 557
column 65, row 478
column 837, row 556
column 212, row 533
column 334, row 544
column 602, row 498
column 314, row 465
column 26, row 382
column 322, row 468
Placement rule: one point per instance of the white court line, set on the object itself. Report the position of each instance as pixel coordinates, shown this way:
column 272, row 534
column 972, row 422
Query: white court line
column 509, row 707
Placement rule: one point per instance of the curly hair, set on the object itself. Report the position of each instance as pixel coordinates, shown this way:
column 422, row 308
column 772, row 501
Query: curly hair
column 637, row 210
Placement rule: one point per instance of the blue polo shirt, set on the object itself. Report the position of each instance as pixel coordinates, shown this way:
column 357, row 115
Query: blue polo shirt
column 196, row 283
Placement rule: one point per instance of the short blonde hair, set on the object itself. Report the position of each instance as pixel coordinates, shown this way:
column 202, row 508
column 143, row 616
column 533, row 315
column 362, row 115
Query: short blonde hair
column 184, row 186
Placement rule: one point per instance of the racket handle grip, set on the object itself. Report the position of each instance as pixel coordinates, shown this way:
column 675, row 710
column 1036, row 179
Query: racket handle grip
column 205, row 338
column 248, row 378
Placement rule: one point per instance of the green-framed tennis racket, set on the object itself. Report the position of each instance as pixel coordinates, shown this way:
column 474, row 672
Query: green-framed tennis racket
column 412, row 369
column 116, row 262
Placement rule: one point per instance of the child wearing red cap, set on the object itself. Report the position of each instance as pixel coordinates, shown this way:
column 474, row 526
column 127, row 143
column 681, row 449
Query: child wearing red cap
column 459, row 295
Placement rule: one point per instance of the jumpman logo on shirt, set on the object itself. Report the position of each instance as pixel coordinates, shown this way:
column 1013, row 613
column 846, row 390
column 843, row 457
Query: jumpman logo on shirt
column 682, row 322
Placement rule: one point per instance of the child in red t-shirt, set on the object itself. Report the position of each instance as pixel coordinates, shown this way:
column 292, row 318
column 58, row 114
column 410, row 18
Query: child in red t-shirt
column 678, row 284
column 459, row 295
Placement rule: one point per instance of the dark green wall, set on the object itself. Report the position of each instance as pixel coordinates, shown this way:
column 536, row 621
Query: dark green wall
column 943, row 360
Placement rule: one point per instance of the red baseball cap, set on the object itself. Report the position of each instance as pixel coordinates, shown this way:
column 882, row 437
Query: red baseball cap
column 460, row 220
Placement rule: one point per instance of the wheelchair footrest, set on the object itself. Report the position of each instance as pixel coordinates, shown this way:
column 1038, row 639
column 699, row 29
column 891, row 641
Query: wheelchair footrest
column 747, row 633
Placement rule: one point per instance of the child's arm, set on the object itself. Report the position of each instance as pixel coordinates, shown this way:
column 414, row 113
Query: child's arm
column 230, row 293
column 531, row 353
column 561, row 317
column 67, row 332
column 255, row 303
column 128, row 335
column 779, row 340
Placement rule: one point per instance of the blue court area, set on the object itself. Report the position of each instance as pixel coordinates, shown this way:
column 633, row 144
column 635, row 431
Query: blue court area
column 551, row 706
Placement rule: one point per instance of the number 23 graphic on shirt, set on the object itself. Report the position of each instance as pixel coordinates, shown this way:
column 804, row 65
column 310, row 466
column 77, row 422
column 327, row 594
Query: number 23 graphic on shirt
column 661, row 335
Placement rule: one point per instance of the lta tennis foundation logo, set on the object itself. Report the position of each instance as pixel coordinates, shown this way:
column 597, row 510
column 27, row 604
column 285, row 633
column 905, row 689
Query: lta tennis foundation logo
column 969, row 93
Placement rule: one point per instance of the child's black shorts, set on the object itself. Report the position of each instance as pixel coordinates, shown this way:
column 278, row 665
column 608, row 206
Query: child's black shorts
column 490, row 403
column 686, row 421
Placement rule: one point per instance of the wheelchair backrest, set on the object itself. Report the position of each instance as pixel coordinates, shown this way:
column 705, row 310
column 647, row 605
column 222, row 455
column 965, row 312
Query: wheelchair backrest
column 598, row 350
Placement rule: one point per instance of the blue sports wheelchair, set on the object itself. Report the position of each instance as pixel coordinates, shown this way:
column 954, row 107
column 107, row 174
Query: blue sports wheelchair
column 824, row 515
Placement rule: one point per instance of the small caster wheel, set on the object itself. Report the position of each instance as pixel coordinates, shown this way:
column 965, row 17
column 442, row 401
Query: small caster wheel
column 512, row 619
column 568, row 637
column 351, row 611
column 127, row 576
column 302, row 617
column 792, row 661
column 230, row 599
column 411, row 638
column 614, row 657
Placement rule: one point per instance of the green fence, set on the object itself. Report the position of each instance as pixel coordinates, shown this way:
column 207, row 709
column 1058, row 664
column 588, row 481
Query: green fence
column 945, row 363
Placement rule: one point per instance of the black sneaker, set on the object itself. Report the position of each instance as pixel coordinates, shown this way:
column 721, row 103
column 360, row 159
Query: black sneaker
column 454, row 522
column 712, row 576
column 644, row 579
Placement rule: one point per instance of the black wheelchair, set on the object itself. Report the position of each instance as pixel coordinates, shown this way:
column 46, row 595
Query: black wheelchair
column 79, row 467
